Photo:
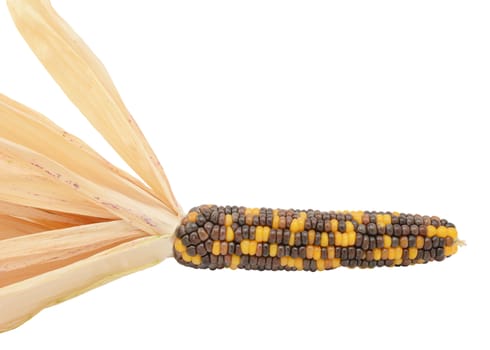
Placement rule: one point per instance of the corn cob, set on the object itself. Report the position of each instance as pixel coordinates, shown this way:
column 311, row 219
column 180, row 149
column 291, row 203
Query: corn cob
column 265, row 239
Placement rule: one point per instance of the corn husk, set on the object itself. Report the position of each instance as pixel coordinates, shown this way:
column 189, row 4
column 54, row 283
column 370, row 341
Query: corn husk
column 69, row 219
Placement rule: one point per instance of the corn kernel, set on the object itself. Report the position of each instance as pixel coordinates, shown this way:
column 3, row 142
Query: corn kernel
column 298, row 263
column 330, row 252
column 386, row 241
column 376, row 254
column 179, row 246
column 442, row 231
column 301, row 224
column 235, row 261
column 217, row 248
column 294, row 227
column 228, row 220
column 387, row 219
column 284, row 260
column 451, row 232
column 317, row 251
column 273, row 249
column 291, row 261
column 431, row 231
column 244, row 246
column 349, row 227
column 351, row 238
column 324, row 239
column 230, row 235
column 252, row 248
column 275, row 222
column 334, row 224
column 196, row 260
column 412, row 253
column 338, row 239
column 345, row 239
column 267, row 232
column 186, row 257
column 192, row 216
column 320, row 265
column 335, row 263
column 398, row 253
column 259, row 233
column 391, row 253
column 309, row 252
column 311, row 236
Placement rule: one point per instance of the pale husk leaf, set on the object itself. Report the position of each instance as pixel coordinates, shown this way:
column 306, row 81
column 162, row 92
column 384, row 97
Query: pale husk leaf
column 149, row 217
column 30, row 255
column 20, row 301
column 87, row 84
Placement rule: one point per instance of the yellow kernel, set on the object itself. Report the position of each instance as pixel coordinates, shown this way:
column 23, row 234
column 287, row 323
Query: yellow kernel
column 291, row 261
column 267, row 232
column 186, row 257
column 228, row 220
column 317, row 251
column 324, row 239
column 412, row 253
column 398, row 253
column 294, row 227
column 196, row 260
column 256, row 211
column 311, row 236
column 291, row 239
column 351, row 238
column 217, row 248
column 334, row 224
column 284, row 260
column 330, row 252
column 357, row 216
column 387, row 219
column 398, row 261
column 442, row 231
column 386, row 241
column 451, row 232
column 302, row 215
column 391, row 253
column 376, row 254
column 420, row 242
column 235, row 261
column 230, row 235
column 349, row 227
column 273, row 249
column 335, row 263
column 259, row 233
column 298, row 263
column 252, row 248
column 320, row 265
column 309, row 252
column 248, row 211
column 450, row 250
column 192, row 216
column 275, row 222
column 301, row 224
column 395, row 213
column 244, row 246
column 338, row 239
column 431, row 231
column 379, row 219
column 345, row 240
column 179, row 246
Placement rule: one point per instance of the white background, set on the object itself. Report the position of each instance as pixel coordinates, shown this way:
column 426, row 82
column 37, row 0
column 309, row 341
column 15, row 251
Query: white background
column 305, row 104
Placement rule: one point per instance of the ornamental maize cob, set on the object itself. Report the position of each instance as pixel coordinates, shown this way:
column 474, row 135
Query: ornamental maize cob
column 266, row 239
